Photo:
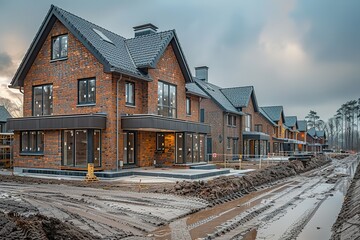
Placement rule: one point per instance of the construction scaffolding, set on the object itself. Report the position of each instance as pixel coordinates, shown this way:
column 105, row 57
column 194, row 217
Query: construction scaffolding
column 6, row 140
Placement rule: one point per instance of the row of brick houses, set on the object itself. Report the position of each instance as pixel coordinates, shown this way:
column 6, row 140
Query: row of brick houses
column 92, row 96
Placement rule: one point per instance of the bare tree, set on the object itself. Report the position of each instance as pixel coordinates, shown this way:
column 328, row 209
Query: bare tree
column 14, row 105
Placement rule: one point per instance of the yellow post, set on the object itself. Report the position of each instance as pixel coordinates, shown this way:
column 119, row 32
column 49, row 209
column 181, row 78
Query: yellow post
column 240, row 161
column 90, row 176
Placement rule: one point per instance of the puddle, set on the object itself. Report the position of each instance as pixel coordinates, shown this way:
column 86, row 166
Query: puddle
column 319, row 227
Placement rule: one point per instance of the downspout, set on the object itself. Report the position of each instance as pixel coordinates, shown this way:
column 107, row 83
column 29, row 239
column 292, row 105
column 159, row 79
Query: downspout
column 117, row 122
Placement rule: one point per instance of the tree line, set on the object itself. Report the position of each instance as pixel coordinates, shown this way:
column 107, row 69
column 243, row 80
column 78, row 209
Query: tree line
column 342, row 130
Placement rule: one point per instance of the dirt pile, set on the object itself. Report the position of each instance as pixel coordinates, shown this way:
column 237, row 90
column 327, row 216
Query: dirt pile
column 340, row 156
column 14, row 226
column 226, row 188
column 348, row 222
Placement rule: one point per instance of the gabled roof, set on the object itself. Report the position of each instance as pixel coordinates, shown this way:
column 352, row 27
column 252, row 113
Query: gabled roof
column 312, row 132
column 194, row 89
column 214, row 92
column 4, row 114
column 274, row 112
column 291, row 121
column 302, row 125
column 127, row 56
column 263, row 113
column 240, row 96
column 320, row 133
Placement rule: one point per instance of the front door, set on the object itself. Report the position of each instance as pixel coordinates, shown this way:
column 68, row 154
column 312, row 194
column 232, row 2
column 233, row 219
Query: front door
column 129, row 148
column 209, row 148
column 179, row 148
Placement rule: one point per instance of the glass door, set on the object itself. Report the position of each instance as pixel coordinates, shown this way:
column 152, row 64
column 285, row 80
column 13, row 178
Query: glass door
column 179, row 148
column 129, row 148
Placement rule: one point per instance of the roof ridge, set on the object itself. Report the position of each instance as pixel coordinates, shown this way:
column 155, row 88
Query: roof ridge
column 57, row 8
column 238, row 87
column 146, row 35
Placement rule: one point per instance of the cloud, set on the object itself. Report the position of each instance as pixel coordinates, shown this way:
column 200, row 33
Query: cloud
column 6, row 65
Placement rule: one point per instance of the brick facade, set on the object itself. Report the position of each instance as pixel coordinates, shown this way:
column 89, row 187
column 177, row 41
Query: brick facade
column 79, row 64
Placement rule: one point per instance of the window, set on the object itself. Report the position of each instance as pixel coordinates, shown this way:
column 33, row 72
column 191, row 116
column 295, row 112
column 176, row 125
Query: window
column 228, row 143
column 247, row 123
column 42, row 100
column 32, row 142
column 166, row 100
column 77, row 148
column 86, row 91
column 258, row 128
column 188, row 106
column 231, row 119
column 130, row 93
column 59, row 47
column 160, row 141
column 202, row 115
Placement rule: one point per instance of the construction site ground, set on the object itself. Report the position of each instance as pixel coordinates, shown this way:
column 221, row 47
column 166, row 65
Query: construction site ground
column 282, row 201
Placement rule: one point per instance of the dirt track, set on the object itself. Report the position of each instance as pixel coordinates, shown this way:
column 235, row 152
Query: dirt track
column 104, row 210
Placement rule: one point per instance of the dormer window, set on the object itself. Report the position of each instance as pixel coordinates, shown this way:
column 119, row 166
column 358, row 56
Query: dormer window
column 59, row 47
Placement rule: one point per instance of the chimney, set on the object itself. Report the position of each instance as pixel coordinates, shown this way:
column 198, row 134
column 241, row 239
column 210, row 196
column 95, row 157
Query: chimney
column 202, row 73
column 144, row 29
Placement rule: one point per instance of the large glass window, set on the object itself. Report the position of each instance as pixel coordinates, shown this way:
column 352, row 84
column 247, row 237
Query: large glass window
column 76, row 147
column 87, row 91
column 195, row 148
column 188, row 106
column 160, row 141
column 42, row 100
column 129, row 148
column 201, row 148
column 130, row 93
column 59, row 47
column 68, row 148
column 81, row 148
column 179, row 148
column 32, row 142
column 247, row 123
column 96, row 149
column 189, row 147
column 166, row 99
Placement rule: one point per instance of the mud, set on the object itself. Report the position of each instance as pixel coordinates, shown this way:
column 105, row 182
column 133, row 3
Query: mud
column 347, row 224
column 38, row 227
column 225, row 188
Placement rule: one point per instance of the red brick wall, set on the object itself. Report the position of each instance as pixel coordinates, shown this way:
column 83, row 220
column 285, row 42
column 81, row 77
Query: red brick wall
column 217, row 119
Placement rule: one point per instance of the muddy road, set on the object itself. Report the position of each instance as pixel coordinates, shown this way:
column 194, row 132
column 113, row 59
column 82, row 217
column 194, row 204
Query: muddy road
column 282, row 205
column 302, row 207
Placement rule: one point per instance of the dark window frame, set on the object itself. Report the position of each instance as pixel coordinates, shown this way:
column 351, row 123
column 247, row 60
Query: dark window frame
column 202, row 115
column 36, row 152
column 231, row 120
column 160, row 139
column 60, row 47
column 42, row 99
column 258, row 127
column 169, row 85
column 74, row 147
column 188, row 106
column 86, row 102
column 127, row 98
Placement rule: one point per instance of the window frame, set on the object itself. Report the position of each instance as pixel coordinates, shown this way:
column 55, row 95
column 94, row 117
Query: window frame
column 231, row 120
column 160, row 139
column 258, row 128
column 188, row 106
column 247, row 128
column 36, row 152
column 42, row 99
column 60, row 47
column 168, row 107
column 87, row 102
column 127, row 98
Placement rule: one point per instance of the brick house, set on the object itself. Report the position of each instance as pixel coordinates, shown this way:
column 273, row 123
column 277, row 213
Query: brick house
column 92, row 96
column 237, row 126
column 294, row 144
column 302, row 128
column 316, row 140
column 276, row 114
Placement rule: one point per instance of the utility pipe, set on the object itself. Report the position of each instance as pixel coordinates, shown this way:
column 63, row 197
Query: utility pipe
column 117, row 122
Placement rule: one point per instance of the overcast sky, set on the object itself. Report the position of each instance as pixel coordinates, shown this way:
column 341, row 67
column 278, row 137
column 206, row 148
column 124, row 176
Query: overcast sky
column 300, row 54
